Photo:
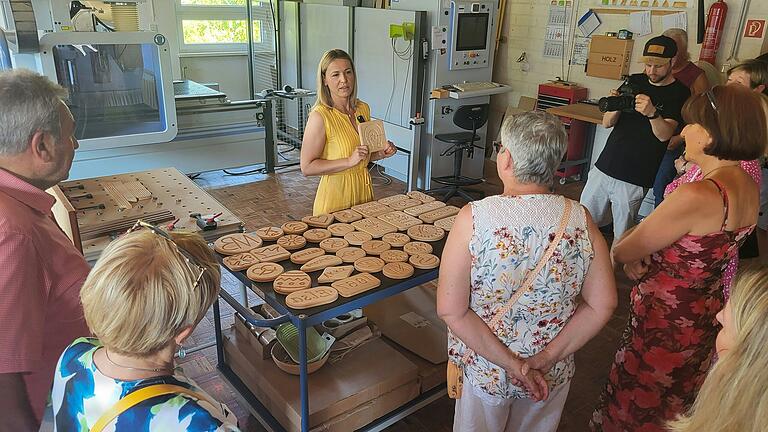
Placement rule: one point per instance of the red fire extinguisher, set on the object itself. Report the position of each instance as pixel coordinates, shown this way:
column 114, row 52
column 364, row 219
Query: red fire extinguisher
column 714, row 31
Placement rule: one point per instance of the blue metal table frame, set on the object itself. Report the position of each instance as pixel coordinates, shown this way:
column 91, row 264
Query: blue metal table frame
column 310, row 317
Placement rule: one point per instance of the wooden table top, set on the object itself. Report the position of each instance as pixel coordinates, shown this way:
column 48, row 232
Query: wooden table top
column 579, row 111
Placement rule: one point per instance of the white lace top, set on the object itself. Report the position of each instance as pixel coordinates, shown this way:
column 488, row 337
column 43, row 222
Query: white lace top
column 511, row 234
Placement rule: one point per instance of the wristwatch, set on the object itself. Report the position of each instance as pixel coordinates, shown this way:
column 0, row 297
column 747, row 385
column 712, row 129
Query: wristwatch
column 654, row 116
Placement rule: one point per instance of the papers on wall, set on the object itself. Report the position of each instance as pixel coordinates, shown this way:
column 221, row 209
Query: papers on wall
column 557, row 31
column 675, row 20
column 640, row 23
column 580, row 50
column 588, row 23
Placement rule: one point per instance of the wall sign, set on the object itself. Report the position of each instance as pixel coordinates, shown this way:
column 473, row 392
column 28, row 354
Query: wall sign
column 755, row 28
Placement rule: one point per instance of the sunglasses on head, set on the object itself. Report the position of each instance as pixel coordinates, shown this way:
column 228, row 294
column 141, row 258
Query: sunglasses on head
column 192, row 264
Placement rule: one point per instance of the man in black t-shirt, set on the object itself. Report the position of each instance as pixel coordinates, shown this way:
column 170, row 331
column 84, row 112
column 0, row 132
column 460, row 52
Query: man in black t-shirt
column 627, row 165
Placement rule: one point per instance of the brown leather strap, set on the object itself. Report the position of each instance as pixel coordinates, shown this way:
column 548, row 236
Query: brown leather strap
column 530, row 278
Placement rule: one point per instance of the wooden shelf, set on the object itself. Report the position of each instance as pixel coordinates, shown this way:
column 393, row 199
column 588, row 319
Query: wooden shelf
column 627, row 11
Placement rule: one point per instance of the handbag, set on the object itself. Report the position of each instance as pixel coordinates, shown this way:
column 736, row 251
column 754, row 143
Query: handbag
column 135, row 397
column 455, row 371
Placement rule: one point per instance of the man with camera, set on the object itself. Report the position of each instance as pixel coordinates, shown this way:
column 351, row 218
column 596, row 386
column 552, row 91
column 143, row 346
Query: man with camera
column 644, row 114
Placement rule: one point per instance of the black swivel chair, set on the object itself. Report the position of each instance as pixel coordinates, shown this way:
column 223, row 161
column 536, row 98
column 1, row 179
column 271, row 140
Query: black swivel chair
column 471, row 118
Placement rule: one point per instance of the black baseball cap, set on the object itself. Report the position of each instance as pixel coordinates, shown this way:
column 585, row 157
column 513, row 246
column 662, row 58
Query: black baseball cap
column 659, row 50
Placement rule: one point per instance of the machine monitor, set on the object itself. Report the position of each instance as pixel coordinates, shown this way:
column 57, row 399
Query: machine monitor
column 470, row 33
column 119, row 86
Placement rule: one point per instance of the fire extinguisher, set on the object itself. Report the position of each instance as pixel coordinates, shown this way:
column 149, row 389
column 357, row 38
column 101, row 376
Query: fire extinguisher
column 713, row 32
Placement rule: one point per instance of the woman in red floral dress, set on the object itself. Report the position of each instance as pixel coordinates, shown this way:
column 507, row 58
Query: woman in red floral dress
column 678, row 256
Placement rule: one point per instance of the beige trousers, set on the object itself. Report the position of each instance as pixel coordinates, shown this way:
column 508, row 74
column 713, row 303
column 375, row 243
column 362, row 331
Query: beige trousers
column 513, row 415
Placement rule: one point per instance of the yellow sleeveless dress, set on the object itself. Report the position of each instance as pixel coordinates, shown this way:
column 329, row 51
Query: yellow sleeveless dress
column 349, row 187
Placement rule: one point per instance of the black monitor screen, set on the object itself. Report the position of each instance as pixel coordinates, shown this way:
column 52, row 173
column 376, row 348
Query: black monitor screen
column 472, row 31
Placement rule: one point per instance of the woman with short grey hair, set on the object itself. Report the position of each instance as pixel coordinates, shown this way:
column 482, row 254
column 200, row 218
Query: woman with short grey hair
column 525, row 281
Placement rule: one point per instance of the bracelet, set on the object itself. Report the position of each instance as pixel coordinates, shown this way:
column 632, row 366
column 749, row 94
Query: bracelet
column 654, row 116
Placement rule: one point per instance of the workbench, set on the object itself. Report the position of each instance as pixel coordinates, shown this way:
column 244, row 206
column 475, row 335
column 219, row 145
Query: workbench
column 309, row 317
column 596, row 134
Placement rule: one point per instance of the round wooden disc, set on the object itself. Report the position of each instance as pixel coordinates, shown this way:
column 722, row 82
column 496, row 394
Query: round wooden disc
column 292, row 242
column 233, row 244
column 369, row 264
column 269, row 233
column 350, row 254
column 425, row 232
column 416, row 247
column 424, row 261
column 340, row 229
column 375, row 247
column 294, row 227
column 394, row 255
column 333, row 244
column 398, row 270
column 316, row 235
column 357, row 237
column 264, row 272
column 291, row 281
column 396, row 239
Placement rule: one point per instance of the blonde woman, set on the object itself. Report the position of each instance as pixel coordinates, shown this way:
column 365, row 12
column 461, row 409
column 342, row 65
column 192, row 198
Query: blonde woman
column 733, row 396
column 331, row 147
column 143, row 298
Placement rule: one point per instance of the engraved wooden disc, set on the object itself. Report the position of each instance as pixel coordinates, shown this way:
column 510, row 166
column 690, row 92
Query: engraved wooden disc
column 394, row 255
column 424, row 261
column 333, row 244
column 396, row 239
column 269, row 233
column 356, row 284
column 294, row 227
column 421, row 196
column 332, row 274
column 340, row 229
column 428, row 206
column 292, row 242
column 240, row 261
column 369, row 264
column 291, row 281
column 316, row 235
column 347, row 216
column 441, row 213
column 350, row 254
column 319, row 221
column 233, row 244
column 311, row 297
column 357, row 238
column 271, row 253
column 398, row 270
column 413, row 248
column 394, row 198
column 321, row 262
column 305, row 255
column 264, row 272
column 426, row 232
column 404, row 204
column 375, row 247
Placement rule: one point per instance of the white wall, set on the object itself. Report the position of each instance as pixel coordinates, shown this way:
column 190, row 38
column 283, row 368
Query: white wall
column 523, row 30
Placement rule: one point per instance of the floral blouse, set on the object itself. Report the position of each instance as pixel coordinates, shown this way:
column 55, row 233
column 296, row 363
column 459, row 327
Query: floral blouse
column 511, row 234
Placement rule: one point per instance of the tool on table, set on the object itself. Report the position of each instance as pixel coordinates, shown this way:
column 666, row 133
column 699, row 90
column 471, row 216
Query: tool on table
column 206, row 223
column 86, row 196
column 171, row 226
column 93, row 207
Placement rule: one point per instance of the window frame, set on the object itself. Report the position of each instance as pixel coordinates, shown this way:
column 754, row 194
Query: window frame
column 226, row 13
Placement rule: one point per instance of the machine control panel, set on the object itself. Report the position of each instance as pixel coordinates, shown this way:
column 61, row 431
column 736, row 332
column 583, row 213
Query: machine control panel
column 470, row 34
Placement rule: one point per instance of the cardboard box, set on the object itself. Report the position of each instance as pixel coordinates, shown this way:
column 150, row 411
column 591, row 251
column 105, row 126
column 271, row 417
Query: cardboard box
column 430, row 375
column 609, row 57
column 368, row 382
column 410, row 319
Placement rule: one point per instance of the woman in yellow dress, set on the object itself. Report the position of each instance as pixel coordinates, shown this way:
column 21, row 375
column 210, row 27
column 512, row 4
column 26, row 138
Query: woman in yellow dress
column 331, row 147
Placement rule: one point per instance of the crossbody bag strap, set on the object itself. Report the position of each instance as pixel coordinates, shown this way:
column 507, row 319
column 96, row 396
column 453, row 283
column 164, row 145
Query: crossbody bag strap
column 531, row 277
column 136, row 397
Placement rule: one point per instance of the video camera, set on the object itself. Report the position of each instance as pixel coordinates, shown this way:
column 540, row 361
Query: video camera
column 625, row 101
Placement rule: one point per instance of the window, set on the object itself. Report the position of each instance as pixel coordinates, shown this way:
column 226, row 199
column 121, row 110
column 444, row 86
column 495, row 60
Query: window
column 221, row 25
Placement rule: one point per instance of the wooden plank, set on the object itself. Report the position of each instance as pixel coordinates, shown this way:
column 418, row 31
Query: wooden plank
column 66, row 216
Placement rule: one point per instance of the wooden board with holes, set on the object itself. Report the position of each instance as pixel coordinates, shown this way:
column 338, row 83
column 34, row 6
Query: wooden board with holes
column 172, row 195
column 375, row 227
column 372, row 135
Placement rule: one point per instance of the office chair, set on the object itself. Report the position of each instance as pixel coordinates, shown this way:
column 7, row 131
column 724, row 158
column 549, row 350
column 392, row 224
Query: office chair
column 471, row 118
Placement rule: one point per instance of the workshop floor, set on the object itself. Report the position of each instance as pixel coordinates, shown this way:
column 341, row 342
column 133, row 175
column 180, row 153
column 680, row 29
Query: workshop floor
column 273, row 199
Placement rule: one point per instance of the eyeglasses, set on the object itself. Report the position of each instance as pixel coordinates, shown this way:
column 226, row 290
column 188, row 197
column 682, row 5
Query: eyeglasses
column 711, row 97
column 192, row 264
column 497, row 146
